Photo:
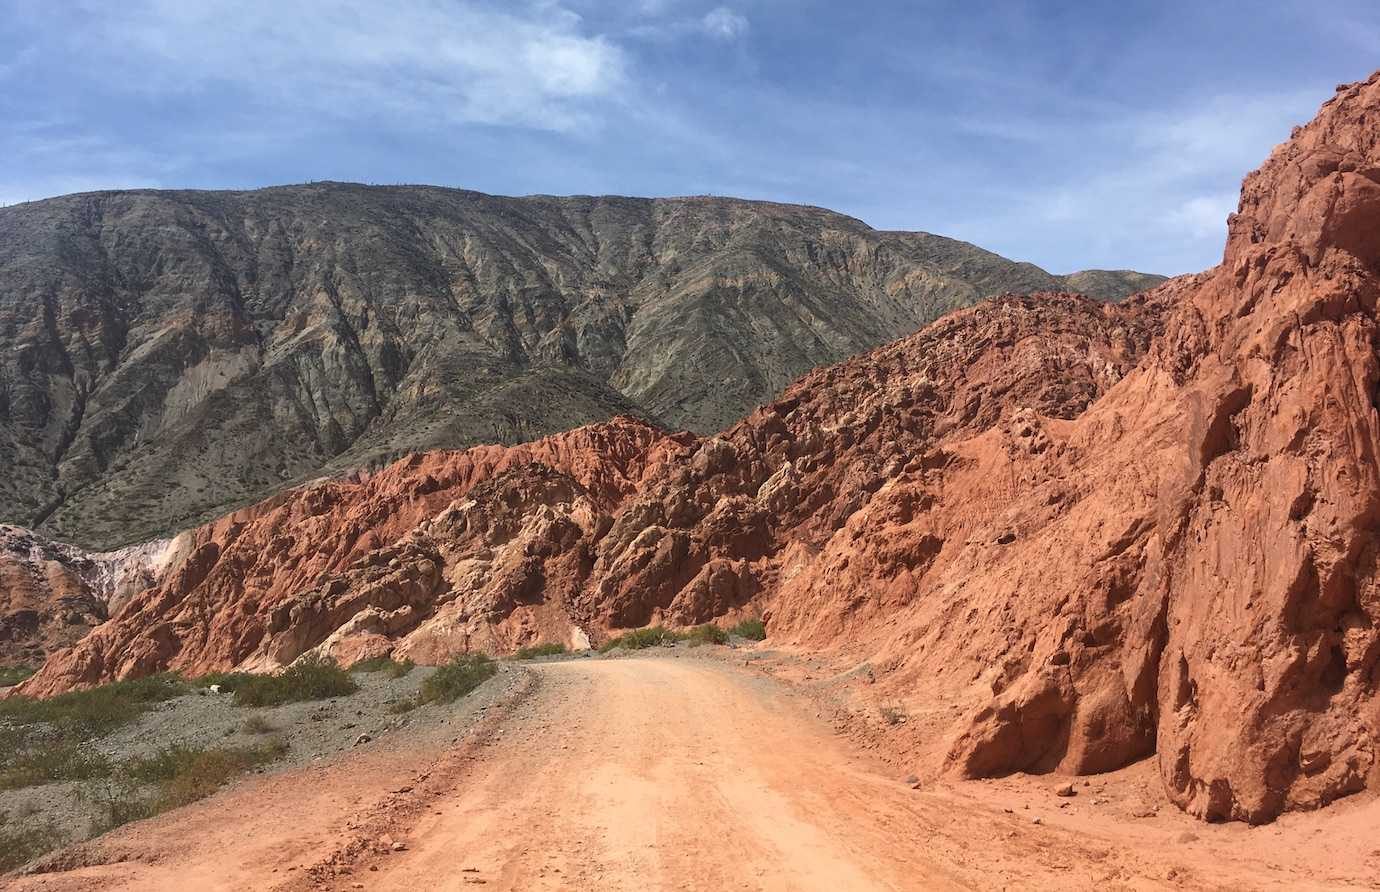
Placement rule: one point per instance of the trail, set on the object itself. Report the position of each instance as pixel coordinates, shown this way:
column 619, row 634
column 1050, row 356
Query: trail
column 661, row 772
column 655, row 773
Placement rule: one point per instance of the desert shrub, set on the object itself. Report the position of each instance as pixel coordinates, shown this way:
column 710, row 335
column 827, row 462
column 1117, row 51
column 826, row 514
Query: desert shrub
column 705, row 634
column 257, row 724
column 386, row 665
column 549, row 649
column 400, row 706
column 893, row 715
column 12, row 675
column 23, row 840
column 753, row 629
column 312, row 678
column 96, row 710
column 637, row 639
column 143, row 786
column 456, row 679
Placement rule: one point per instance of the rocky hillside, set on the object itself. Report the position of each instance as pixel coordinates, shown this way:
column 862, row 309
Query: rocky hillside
column 1067, row 535
column 168, row 355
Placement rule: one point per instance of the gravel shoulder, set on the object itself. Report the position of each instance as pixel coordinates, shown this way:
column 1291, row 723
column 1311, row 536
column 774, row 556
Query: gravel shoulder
column 314, row 734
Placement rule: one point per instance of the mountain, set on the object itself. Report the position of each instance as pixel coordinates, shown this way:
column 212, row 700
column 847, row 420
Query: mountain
column 169, row 355
column 1066, row 535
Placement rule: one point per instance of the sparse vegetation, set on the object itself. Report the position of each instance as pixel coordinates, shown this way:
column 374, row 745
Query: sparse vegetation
column 549, row 649
column 705, row 634
column 174, row 776
column 389, row 667
column 13, row 675
column 456, row 679
column 638, row 639
column 893, row 715
column 30, row 762
column 653, row 636
column 257, row 724
column 22, row 840
column 752, row 629
column 95, row 710
column 311, row 678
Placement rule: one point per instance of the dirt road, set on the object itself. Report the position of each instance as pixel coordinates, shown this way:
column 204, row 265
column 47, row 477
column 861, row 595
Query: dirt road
column 656, row 773
column 660, row 772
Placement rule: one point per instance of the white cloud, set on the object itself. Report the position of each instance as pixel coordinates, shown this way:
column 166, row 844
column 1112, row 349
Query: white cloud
column 724, row 23
column 425, row 61
column 1202, row 216
column 720, row 23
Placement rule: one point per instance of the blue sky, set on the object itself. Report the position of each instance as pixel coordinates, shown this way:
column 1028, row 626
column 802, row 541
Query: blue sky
column 1069, row 134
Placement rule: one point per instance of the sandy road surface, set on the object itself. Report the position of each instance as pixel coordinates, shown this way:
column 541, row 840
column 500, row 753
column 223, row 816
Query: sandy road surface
column 662, row 772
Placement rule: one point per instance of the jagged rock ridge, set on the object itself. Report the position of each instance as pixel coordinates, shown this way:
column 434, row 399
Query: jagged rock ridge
column 169, row 355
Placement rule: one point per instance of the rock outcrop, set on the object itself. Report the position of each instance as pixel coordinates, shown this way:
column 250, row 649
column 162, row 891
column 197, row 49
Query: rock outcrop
column 437, row 554
column 52, row 594
column 168, row 356
column 1070, row 534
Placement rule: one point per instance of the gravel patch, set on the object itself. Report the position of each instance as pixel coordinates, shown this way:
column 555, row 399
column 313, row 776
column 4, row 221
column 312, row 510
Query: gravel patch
column 312, row 731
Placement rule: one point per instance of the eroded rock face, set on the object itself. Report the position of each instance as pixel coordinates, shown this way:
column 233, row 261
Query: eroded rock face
column 52, row 594
column 1072, row 534
column 437, row 554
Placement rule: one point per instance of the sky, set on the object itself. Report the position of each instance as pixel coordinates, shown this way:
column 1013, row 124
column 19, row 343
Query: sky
column 1073, row 135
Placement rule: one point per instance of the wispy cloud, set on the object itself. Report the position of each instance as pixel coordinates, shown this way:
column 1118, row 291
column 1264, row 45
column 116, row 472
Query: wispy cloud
column 528, row 65
column 720, row 23
column 724, row 23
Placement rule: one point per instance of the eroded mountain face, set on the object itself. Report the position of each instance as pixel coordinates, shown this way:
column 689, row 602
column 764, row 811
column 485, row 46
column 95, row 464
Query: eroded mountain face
column 168, row 355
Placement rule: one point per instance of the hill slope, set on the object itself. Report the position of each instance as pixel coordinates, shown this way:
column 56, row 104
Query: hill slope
column 167, row 355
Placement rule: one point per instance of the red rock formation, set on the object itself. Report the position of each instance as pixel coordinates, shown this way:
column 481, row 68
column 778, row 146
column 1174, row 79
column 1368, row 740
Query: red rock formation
column 52, row 594
column 1070, row 534
column 363, row 560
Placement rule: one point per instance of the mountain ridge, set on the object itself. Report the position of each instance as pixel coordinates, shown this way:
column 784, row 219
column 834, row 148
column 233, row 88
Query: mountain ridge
column 172, row 354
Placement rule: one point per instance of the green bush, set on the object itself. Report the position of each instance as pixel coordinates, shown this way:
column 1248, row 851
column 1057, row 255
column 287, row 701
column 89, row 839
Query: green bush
column 550, row 649
column 456, row 679
column 652, row 636
column 13, row 675
column 312, row 678
column 386, row 665
column 95, row 710
column 753, row 629
column 637, row 639
column 705, row 634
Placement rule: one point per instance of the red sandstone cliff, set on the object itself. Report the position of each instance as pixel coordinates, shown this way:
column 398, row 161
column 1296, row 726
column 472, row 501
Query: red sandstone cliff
column 1071, row 534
